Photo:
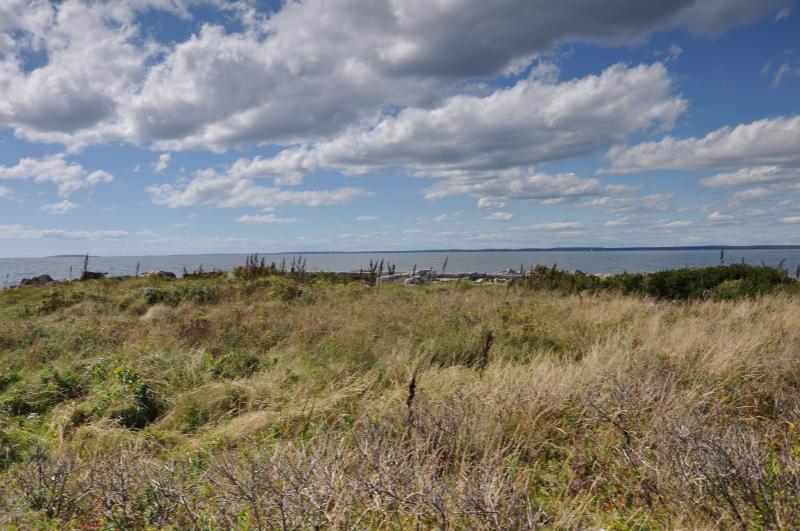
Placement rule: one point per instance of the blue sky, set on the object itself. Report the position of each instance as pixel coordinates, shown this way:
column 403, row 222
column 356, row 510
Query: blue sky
column 182, row 126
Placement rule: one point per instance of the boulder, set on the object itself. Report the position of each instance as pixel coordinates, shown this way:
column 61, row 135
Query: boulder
column 41, row 280
column 92, row 275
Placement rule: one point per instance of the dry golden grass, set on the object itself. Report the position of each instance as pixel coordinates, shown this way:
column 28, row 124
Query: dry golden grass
column 592, row 411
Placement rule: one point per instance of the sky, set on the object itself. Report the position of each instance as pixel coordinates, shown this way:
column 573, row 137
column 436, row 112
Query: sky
column 207, row 126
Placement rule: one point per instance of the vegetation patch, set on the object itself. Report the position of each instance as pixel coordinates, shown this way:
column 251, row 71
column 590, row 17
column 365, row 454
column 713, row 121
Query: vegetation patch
column 286, row 399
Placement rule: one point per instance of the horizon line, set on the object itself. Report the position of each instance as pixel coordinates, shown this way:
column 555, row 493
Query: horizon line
column 710, row 247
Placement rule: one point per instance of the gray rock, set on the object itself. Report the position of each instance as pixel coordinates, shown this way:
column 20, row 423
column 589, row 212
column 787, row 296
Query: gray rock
column 92, row 275
column 41, row 280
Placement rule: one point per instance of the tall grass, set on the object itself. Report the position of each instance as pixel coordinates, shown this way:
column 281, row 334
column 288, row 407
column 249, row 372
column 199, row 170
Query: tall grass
column 146, row 403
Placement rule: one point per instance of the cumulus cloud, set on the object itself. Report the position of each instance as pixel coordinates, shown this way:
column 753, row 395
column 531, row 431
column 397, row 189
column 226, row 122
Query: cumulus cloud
column 528, row 123
column 760, row 182
column 64, row 207
column 308, row 71
column 5, row 192
column 761, row 143
column 22, row 232
column 762, row 158
column 68, row 177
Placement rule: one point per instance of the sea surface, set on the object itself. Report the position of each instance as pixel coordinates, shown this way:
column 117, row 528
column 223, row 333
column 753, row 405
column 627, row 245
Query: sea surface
column 13, row 270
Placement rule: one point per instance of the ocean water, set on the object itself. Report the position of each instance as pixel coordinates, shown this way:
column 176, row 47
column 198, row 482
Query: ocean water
column 13, row 270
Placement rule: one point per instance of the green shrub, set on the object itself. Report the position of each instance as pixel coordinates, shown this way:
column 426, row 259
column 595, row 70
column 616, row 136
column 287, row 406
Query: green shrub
column 7, row 379
column 210, row 403
column 196, row 293
column 139, row 406
column 234, row 364
column 742, row 281
column 40, row 394
column 721, row 282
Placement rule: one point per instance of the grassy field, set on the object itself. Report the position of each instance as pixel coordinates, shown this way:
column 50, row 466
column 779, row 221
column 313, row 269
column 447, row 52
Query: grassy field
column 297, row 403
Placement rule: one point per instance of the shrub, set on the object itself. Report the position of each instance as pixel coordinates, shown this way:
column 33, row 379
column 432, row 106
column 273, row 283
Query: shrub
column 140, row 406
column 7, row 379
column 42, row 393
column 743, row 280
column 198, row 294
column 721, row 282
column 234, row 364
column 209, row 403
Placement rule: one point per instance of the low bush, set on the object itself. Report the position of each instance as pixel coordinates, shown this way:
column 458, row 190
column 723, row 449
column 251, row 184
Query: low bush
column 196, row 293
column 40, row 393
column 719, row 282
column 742, row 280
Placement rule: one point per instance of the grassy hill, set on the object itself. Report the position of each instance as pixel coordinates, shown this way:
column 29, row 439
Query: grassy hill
column 301, row 401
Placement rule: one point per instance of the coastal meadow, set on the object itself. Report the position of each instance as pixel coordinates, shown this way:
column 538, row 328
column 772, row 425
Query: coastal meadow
column 290, row 400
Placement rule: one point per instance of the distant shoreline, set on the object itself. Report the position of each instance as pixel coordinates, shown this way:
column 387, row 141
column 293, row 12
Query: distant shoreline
column 485, row 250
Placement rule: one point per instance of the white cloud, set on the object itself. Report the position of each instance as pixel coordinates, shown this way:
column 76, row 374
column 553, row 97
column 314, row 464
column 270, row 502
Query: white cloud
column 752, row 194
column 719, row 216
column 441, row 218
column 785, row 71
column 630, row 204
column 367, row 218
column 211, row 188
column 64, row 207
column 670, row 224
column 549, row 227
column 308, row 71
column 97, row 177
column 762, row 182
column 519, row 183
column 5, row 192
column 790, row 219
column 267, row 219
column 69, row 177
column 490, row 202
column 751, row 176
column 22, row 232
column 783, row 13
column 760, row 143
column 282, row 169
column 162, row 163
column 499, row 216
column 615, row 223
column 528, row 123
